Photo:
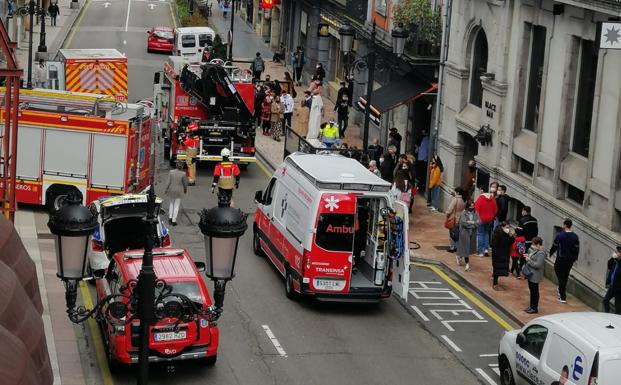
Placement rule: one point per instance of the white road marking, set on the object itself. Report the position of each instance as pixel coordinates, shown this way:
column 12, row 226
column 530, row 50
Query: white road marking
column 461, row 302
column 451, row 343
column 420, row 313
column 129, row 6
column 486, row 377
column 274, row 341
column 489, row 355
column 493, row 365
column 447, row 324
column 497, row 371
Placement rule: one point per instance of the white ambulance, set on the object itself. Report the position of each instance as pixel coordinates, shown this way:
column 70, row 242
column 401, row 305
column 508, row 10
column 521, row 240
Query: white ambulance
column 332, row 229
column 565, row 348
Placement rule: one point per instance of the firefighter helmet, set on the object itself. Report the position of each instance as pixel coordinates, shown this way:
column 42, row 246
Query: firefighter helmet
column 225, row 153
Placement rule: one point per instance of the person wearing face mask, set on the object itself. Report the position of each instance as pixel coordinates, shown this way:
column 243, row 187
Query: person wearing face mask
column 613, row 282
column 502, row 202
column 320, row 73
column 485, row 206
column 529, row 226
column 387, row 165
column 502, row 241
column 468, row 221
column 533, row 271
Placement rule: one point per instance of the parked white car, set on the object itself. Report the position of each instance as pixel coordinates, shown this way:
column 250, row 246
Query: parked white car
column 563, row 349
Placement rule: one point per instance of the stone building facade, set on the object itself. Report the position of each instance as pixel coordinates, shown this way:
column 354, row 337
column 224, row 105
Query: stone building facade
column 531, row 75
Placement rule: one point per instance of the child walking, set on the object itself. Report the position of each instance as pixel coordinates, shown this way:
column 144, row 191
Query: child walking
column 517, row 253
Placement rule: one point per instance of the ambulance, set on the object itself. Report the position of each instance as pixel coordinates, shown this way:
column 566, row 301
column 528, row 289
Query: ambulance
column 332, row 230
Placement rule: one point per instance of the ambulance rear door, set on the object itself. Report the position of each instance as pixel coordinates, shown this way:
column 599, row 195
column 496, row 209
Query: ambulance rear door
column 401, row 272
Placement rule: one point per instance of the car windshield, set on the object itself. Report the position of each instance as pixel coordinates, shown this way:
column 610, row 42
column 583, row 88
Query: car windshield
column 127, row 209
column 163, row 35
column 188, row 288
column 335, row 232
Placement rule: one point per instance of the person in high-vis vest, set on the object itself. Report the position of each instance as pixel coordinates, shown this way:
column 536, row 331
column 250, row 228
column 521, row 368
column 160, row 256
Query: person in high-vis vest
column 225, row 176
column 191, row 144
column 330, row 134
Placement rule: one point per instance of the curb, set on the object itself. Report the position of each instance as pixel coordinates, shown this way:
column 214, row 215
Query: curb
column 459, row 277
column 64, row 34
column 265, row 161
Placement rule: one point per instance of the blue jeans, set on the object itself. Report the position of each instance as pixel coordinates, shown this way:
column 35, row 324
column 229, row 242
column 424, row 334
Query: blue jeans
column 483, row 237
column 435, row 197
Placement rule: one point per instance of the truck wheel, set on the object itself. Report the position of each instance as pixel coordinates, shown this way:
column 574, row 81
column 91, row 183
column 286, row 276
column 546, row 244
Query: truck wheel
column 243, row 166
column 256, row 243
column 289, row 290
column 55, row 196
column 506, row 374
column 211, row 360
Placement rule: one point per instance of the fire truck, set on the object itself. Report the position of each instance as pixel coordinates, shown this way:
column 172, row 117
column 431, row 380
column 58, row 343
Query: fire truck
column 205, row 97
column 88, row 143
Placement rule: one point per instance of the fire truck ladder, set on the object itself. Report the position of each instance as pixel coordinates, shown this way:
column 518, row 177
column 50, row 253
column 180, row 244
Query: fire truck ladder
column 8, row 131
column 214, row 90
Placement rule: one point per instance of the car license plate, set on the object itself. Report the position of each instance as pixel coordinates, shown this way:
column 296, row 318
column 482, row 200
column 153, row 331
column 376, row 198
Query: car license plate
column 169, row 336
column 329, row 284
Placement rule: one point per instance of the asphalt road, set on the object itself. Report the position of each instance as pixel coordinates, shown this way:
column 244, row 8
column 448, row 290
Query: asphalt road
column 320, row 343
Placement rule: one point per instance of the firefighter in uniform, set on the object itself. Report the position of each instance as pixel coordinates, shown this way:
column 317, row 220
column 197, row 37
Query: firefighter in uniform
column 191, row 144
column 225, row 176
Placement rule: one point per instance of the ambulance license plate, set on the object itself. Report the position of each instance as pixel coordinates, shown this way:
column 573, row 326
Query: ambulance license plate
column 169, row 336
column 329, row 284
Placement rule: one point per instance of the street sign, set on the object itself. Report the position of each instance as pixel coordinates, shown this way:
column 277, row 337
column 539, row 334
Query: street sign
column 611, row 36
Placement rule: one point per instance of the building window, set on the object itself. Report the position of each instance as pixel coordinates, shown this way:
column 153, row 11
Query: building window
column 380, row 7
column 583, row 111
column 479, row 67
column 535, row 77
column 575, row 194
column 526, row 167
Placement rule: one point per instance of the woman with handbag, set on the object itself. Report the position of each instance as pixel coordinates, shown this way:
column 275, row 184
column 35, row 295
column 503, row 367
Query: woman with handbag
column 533, row 271
column 467, row 232
column 402, row 186
column 456, row 207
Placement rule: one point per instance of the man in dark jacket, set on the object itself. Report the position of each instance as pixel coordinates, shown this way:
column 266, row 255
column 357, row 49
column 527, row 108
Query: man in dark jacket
column 502, row 202
column 388, row 164
column 376, row 150
column 567, row 244
column 342, row 114
column 613, row 282
column 528, row 225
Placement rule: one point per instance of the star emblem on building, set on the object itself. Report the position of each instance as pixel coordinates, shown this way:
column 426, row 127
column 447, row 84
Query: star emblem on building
column 612, row 35
column 331, row 203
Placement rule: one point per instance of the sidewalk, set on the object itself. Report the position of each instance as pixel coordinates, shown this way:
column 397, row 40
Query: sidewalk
column 54, row 36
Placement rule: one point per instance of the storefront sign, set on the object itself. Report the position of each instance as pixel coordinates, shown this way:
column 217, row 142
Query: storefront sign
column 490, row 109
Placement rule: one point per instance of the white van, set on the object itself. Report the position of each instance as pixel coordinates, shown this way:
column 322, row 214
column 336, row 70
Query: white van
column 190, row 42
column 565, row 348
column 331, row 228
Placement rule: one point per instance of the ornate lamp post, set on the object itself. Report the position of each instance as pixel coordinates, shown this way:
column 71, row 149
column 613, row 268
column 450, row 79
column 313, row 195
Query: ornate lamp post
column 146, row 299
column 33, row 9
column 347, row 34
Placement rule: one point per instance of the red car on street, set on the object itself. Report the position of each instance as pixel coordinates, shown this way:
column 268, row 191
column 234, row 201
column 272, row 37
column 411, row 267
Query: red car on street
column 197, row 339
column 160, row 39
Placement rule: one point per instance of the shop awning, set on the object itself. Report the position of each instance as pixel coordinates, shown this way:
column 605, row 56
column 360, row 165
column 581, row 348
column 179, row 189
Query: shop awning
column 399, row 91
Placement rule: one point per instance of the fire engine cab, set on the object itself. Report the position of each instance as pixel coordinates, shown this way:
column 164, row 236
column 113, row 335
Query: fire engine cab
column 70, row 141
column 205, row 96
column 333, row 230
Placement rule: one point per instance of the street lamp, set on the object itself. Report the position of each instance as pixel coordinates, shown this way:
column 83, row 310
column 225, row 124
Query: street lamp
column 147, row 299
column 347, row 34
column 232, row 26
column 222, row 227
column 33, row 9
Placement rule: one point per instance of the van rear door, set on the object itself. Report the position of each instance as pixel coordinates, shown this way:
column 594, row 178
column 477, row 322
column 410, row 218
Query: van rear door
column 401, row 275
column 331, row 253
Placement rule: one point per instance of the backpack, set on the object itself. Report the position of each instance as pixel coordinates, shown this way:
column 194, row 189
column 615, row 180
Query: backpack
column 258, row 65
column 521, row 247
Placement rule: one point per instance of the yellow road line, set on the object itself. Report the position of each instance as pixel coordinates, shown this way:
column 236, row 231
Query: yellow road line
column 172, row 14
column 264, row 168
column 493, row 315
column 100, row 351
column 76, row 25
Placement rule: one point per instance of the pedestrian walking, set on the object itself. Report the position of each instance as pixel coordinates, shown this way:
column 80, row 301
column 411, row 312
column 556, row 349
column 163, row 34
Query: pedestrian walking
column 518, row 250
column 266, row 115
column 276, row 118
column 529, row 226
column 435, row 180
column 402, row 186
column 468, row 221
column 53, row 10
column 315, row 87
column 320, row 73
column 453, row 213
column 176, row 187
column 40, row 75
column 287, row 107
column 376, row 150
column 259, row 97
column 567, row 248
column 422, row 152
column 533, row 271
column 469, row 179
column 373, row 168
column 388, row 161
column 613, row 282
column 315, row 117
column 344, row 91
column 257, row 67
column 342, row 114
column 298, row 62
column 502, row 240
column 485, row 206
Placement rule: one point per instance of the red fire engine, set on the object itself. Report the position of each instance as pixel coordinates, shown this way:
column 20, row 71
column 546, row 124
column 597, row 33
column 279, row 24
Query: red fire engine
column 74, row 141
column 204, row 94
